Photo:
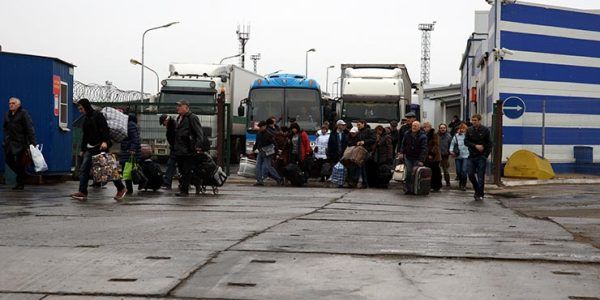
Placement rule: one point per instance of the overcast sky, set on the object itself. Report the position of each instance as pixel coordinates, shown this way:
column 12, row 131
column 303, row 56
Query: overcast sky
column 101, row 36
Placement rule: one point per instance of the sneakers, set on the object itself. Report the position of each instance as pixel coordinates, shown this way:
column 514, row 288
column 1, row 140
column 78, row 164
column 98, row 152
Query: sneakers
column 79, row 196
column 120, row 194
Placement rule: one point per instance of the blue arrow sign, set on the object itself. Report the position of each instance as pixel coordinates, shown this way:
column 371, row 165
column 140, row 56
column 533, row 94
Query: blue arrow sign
column 513, row 107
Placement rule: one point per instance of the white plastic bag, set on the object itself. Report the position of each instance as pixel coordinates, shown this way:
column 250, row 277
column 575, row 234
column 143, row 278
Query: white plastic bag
column 38, row 159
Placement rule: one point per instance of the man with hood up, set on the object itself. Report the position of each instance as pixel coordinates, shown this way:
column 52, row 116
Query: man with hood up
column 95, row 139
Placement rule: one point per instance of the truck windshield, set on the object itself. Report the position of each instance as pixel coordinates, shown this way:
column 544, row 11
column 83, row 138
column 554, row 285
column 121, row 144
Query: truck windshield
column 304, row 106
column 372, row 112
column 265, row 103
column 193, row 98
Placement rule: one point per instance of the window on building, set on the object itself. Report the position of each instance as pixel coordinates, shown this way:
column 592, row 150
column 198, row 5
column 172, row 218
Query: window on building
column 63, row 105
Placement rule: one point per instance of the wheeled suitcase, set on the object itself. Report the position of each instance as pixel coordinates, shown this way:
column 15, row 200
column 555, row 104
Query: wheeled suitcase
column 294, row 174
column 385, row 173
column 421, row 180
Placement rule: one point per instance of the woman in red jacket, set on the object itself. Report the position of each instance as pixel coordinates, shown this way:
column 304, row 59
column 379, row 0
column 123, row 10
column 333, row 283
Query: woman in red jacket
column 300, row 144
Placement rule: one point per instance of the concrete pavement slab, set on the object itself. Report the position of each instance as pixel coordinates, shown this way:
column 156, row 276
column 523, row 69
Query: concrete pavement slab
column 95, row 271
column 251, row 275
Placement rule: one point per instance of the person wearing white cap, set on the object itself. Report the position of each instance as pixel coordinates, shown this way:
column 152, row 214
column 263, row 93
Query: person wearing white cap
column 338, row 141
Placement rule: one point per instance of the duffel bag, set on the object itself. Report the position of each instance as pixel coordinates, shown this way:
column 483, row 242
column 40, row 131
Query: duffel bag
column 117, row 123
column 355, row 155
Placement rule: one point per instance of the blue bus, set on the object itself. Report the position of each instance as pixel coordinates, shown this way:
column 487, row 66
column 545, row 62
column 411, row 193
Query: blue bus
column 288, row 97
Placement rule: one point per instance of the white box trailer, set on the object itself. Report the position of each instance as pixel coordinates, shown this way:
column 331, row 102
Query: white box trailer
column 377, row 93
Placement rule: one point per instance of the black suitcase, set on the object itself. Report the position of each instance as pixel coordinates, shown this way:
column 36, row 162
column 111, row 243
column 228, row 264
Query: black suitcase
column 385, row 173
column 421, row 180
column 294, row 174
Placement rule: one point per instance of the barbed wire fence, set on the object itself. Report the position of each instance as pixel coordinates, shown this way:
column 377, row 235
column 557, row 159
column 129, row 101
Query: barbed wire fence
column 105, row 93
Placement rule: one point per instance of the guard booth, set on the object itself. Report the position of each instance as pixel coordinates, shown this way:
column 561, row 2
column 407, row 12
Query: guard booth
column 45, row 87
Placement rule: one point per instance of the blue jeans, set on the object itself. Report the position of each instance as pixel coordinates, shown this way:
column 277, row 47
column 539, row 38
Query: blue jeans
column 84, row 173
column 264, row 168
column 477, row 174
column 409, row 164
column 170, row 172
column 462, row 168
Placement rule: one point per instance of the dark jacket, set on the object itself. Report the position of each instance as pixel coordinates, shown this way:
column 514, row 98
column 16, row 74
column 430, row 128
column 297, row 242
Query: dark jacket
column 384, row 153
column 414, row 146
column 131, row 143
column 367, row 135
column 171, row 132
column 395, row 136
column 95, row 131
column 480, row 136
column 404, row 129
column 18, row 131
column 263, row 139
column 445, row 140
column 189, row 135
column 433, row 147
column 334, row 152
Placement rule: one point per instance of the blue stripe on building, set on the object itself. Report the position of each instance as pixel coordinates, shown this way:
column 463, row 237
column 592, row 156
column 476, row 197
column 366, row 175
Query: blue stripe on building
column 549, row 44
column 550, row 17
column 558, row 104
column 549, row 72
column 518, row 135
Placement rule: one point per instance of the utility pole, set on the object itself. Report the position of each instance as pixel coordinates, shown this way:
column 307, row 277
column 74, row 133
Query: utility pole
column 426, row 29
column 243, row 33
column 255, row 59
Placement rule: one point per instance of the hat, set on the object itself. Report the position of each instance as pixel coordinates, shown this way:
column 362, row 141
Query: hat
column 394, row 123
column 354, row 130
column 162, row 119
column 410, row 114
column 183, row 102
column 340, row 122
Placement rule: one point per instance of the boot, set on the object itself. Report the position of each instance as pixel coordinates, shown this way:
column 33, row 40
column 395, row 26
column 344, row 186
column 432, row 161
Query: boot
column 447, row 178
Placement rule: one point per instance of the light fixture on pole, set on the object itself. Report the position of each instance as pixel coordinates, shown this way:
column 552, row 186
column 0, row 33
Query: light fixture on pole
column 137, row 63
column 327, row 79
column 143, row 42
column 306, row 61
column 233, row 56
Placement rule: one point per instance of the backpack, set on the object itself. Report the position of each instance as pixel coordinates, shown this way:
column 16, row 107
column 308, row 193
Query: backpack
column 154, row 175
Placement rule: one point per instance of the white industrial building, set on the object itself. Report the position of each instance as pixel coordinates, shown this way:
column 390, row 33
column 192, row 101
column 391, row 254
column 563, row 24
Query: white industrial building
column 543, row 62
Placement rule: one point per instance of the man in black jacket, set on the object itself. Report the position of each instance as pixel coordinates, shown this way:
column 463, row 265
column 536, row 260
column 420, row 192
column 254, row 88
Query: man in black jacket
column 18, row 135
column 338, row 142
column 266, row 149
column 188, row 143
column 479, row 141
column 171, row 125
column 367, row 139
column 406, row 128
column 414, row 151
column 96, row 139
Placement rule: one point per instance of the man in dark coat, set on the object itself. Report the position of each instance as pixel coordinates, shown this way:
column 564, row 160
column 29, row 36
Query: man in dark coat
column 414, row 152
column 171, row 124
column 188, row 143
column 367, row 139
column 95, row 139
column 479, row 141
column 395, row 135
column 338, row 142
column 18, row 135
column 406, row 128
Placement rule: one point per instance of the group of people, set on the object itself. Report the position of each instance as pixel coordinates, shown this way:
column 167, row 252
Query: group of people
column 413, row 144
column 184, row 134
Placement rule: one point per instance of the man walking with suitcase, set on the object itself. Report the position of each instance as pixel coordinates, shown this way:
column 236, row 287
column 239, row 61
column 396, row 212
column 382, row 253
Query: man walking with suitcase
column 414, row 151
column 479, row 141
column 188, row 143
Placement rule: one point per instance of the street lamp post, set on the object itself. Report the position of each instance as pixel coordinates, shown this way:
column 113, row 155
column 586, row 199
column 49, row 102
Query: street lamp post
column 137, row 63
column 143, row 44
column 306, row 61
column 327, row 79
column 233, row 56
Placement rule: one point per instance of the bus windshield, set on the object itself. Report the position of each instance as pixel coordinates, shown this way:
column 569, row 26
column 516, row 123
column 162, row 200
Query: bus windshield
column 265, row 103
column 304, row 106
column 378, row 112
